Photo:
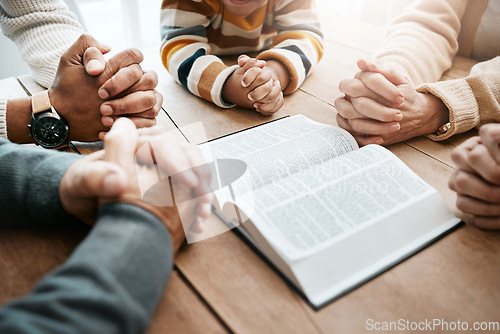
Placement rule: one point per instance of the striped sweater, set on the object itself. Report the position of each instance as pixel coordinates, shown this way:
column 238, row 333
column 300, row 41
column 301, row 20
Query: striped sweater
column 195, row 32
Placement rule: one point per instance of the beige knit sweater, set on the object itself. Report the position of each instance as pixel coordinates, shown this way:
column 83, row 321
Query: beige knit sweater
column 423, row 42
column 42, row 30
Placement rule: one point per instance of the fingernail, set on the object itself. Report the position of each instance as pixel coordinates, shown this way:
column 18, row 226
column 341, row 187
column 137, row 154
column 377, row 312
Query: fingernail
column 250, row 97
column 244, row 84
column 94, row 65
column 103, row 94
column 106, row 109
column 398, row 117
column 379, row 141
column 399, row 100
column 107, row 121
column 394, row 127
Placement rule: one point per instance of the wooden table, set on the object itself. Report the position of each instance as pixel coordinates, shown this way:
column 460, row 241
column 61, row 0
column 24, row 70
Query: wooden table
column 221, row 285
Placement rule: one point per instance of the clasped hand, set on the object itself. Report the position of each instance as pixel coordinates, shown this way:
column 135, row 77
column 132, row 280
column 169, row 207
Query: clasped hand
column 91, row 93
column 476, row 179
column 254, row 84
column 116, row 173
column 381, row 106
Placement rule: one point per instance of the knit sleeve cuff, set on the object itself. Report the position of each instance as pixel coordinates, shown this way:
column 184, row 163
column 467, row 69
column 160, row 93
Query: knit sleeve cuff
column 216, row 91
column 3, row 118
column 42, row 198
column 459, row 98
column 286, row 58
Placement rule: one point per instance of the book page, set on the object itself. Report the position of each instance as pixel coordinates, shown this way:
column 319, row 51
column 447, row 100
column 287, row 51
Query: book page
column 310, row 210
column 280, row 149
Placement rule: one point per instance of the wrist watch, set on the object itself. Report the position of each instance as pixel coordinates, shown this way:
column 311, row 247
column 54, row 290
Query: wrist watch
column 47, row 127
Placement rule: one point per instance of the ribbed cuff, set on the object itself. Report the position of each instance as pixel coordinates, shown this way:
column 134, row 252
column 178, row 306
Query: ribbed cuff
column 3, row 118
column 42, row 198
column 216, row 93
column 284, row 57
column 459, row 98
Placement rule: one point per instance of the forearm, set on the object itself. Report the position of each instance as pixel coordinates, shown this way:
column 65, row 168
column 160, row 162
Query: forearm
column 42, row 30
column 110, row 284
column 471, row 101
column 422, row 42
column 29, row 179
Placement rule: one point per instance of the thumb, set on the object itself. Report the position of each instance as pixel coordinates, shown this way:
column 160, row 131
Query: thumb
column 93, row 61
column 387, row 70
column 120, row 144
column 102, row 179
column 76, row 51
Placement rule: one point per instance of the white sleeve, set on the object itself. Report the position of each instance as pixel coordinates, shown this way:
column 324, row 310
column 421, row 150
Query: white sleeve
column 42, row 30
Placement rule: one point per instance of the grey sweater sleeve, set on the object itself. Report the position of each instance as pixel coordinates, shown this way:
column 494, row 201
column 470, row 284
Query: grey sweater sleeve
column 113, row 280
column 29, row 184
column 111, row 283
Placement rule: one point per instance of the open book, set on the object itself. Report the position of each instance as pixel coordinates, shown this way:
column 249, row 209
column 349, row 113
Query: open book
column 328, row 215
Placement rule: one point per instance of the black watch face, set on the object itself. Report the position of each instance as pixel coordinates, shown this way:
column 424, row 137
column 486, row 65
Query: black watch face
column 49, row 132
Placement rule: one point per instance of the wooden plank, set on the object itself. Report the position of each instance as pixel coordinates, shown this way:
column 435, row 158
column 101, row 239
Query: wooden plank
column 241, row 288
column 338, row 63
column 27, row 255
column 181, row 311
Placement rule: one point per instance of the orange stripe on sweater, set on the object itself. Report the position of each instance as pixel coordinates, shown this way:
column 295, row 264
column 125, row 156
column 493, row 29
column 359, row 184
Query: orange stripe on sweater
column 169, row 50
column 207, row 79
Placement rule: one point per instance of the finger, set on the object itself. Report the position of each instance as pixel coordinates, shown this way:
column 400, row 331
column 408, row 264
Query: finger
column 373, row 127
column 76, row 51
column 362, row 139
column 483, row 163
column 373, row 110
column 173, row 160
column 253, row 62
column 93, row 61
column 242, row 59
column 273, row 95
column 469, row 184
column 131, row 104
column 460, row 154
column 121, row 60
column 490, row 137
column 473, row 206
column 260, row 92
column 346, row 109
column 125, row 78
column 262, row 77
column 388, row 71
column 101, row 178
column 148, row 81
column 356, row 88
column 120, row 144
column 269, row 109
column 380, row 85
column 487, row 223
